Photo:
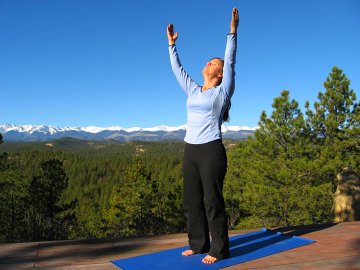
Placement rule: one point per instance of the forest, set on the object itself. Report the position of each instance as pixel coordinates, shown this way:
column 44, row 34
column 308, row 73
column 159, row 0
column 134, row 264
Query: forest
column 284, row 175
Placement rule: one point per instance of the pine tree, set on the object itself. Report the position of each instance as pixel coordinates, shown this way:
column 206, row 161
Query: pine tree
column 14, row 199
column 335, row 123
column 336, row 111
column 133, row 204
column 277, row 171
column 3, row 157
column 46, row 200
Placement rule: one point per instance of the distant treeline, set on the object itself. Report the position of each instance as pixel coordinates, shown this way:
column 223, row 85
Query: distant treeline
column 284, row 175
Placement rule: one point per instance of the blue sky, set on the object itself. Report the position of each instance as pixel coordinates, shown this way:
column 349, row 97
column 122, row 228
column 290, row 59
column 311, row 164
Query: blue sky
column 105, row 62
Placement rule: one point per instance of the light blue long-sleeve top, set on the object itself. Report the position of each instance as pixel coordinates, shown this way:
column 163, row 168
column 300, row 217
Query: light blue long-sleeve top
column 205, row 110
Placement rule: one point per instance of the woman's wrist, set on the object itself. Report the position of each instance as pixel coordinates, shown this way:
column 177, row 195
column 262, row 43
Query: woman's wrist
column 233, row 30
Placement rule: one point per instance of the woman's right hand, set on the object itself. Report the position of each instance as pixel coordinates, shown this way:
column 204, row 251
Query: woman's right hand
column 172, row 37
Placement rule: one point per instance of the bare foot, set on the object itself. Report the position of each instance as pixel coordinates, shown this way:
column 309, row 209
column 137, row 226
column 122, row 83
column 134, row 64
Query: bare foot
column 210, row 259
column 188, row 252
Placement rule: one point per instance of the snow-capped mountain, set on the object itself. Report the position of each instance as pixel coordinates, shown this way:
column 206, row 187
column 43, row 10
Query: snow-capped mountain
column 26, row 133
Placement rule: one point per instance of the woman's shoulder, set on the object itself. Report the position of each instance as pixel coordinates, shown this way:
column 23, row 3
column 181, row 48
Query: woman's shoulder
column 194, row 89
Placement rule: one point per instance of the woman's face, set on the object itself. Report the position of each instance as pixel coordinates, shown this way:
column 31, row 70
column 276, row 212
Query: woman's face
column 213, row 68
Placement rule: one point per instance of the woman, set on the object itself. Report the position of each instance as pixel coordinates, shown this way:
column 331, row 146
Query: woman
column 204, row 164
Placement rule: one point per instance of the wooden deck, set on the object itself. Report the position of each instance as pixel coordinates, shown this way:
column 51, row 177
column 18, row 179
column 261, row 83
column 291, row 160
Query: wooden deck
column 337, row 247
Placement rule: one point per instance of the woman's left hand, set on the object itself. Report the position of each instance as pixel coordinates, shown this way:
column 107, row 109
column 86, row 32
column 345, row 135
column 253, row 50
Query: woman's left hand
column 234, row 21
column 172, row 37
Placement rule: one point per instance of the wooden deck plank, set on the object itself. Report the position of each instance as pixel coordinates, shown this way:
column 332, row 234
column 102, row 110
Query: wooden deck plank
column 337, row 247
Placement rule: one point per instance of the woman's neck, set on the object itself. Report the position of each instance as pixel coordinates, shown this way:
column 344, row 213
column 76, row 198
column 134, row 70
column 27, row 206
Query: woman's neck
column 209, row 84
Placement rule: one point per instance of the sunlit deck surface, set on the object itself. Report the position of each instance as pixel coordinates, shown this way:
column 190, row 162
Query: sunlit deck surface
column 337, row 247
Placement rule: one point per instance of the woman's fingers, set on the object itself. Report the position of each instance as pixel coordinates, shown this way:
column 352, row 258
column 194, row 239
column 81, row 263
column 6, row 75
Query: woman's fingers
column 235, row 13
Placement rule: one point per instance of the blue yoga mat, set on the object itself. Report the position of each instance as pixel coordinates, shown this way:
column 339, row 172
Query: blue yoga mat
column 243, row 248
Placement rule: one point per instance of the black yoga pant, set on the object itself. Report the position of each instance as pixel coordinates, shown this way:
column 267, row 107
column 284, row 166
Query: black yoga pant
column 204, row 169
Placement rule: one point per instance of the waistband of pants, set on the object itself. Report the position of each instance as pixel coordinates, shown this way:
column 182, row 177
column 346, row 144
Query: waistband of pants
column 204, row 144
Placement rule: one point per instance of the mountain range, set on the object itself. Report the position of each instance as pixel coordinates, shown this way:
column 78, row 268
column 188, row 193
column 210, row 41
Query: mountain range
column 32, row 133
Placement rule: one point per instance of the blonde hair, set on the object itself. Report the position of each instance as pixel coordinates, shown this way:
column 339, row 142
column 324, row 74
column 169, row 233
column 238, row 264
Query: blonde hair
column 226, row 116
